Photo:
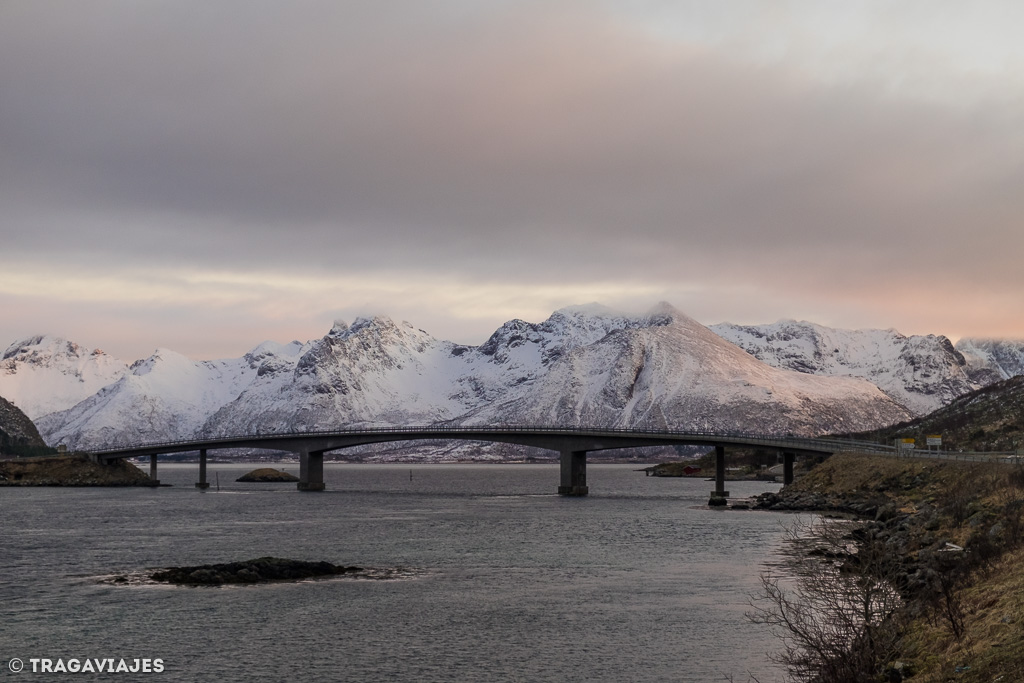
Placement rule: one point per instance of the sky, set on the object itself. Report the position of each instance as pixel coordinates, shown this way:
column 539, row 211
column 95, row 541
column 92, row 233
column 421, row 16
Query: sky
column 204, row 176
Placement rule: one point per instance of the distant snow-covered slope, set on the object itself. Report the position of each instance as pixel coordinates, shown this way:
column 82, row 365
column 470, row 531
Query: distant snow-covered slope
column 164, row 397
column 1003, row 357
column 922, row 373
column 44, row 374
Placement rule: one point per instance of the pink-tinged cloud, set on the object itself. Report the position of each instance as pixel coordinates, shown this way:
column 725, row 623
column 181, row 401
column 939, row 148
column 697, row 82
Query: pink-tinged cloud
column 542, row 145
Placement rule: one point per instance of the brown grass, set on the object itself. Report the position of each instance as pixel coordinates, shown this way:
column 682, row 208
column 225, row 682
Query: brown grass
column 992, row 648
column 993, row 645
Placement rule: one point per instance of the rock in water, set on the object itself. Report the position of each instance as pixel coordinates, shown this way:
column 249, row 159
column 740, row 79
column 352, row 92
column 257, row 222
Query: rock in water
column 259, row 570
column 265, row 474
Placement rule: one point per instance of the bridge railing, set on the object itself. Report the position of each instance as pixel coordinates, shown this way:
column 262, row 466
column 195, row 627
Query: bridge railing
column 707, row 437
column 711, row 437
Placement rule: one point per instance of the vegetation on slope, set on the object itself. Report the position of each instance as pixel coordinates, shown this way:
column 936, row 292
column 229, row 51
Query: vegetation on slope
column 70, row 470
column 989, row 419
column 947, row 536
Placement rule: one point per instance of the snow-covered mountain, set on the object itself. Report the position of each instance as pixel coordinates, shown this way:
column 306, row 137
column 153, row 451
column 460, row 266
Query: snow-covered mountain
column 164, row 397
column 378, row 372
column 44, row 374
column 922, row 373
column 668, row 371
column 1004, row 358
column 581, row 366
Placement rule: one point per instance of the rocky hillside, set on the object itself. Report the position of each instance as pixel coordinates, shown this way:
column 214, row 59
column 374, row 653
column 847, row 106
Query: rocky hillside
column 1003, row 358
column 18, row 435
column 989, row 419
column 949, row 536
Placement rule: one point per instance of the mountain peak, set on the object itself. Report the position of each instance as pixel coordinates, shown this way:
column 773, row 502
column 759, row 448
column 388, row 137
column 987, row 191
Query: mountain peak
column 41, row 345
column 376, row 321
column 160, row 358
column 590, row 310
column 665, row 308
column 45, row 373
column 664, row 313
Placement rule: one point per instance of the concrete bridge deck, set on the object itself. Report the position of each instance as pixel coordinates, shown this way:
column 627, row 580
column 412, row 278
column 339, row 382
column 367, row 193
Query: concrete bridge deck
column 572, row 444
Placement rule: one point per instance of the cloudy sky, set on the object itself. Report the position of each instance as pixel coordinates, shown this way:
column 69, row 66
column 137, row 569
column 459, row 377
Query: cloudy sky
column 206, row 175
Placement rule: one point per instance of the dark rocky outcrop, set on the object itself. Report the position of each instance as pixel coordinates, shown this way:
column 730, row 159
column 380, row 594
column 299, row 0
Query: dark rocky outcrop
column 259, row 570
column 811, row 501
column 18, row 434
column 267, row 474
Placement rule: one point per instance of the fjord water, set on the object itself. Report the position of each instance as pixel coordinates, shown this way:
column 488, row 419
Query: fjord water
column 500, row 579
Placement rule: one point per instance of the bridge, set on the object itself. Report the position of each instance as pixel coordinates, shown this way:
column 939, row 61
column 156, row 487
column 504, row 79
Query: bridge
column 572, row 444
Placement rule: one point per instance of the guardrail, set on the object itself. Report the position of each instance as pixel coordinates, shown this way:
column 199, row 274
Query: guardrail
column 710, row 437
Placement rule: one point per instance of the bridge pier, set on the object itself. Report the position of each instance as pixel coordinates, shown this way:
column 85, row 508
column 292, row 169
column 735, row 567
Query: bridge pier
column 574, row 473
column 787, row 468
column 152, row 469
column 719, row 496
column 202, row 483
column 311, row 471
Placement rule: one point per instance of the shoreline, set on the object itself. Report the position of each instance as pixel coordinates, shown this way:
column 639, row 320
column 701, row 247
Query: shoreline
column 954, row 534
column 70, row 470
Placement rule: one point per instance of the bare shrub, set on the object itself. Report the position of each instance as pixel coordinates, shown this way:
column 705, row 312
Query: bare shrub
column 837, row 614
column 946, row 573
column 958, row 504
column 1015, row 478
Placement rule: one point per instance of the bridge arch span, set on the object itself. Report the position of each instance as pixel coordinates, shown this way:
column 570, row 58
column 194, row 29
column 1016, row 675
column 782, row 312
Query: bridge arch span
column 571, row 443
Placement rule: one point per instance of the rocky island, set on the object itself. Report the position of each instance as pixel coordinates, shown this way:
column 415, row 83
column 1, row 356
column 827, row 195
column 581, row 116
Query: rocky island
column 267, row 474
column 259, row 570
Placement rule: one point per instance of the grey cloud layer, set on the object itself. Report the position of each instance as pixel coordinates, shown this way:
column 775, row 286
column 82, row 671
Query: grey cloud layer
column 454, row 137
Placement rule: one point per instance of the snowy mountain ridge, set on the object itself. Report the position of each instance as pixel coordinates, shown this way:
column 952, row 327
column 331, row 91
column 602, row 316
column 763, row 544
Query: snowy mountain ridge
column 580, row 367
column 921, row 372
column 584, row 365
column 1003, row 357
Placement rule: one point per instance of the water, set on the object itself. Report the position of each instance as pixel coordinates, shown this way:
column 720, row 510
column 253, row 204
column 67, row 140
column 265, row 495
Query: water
column 500, row 580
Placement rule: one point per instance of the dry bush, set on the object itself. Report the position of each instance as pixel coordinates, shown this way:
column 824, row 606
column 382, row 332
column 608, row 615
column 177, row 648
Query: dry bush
column 838, row 613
